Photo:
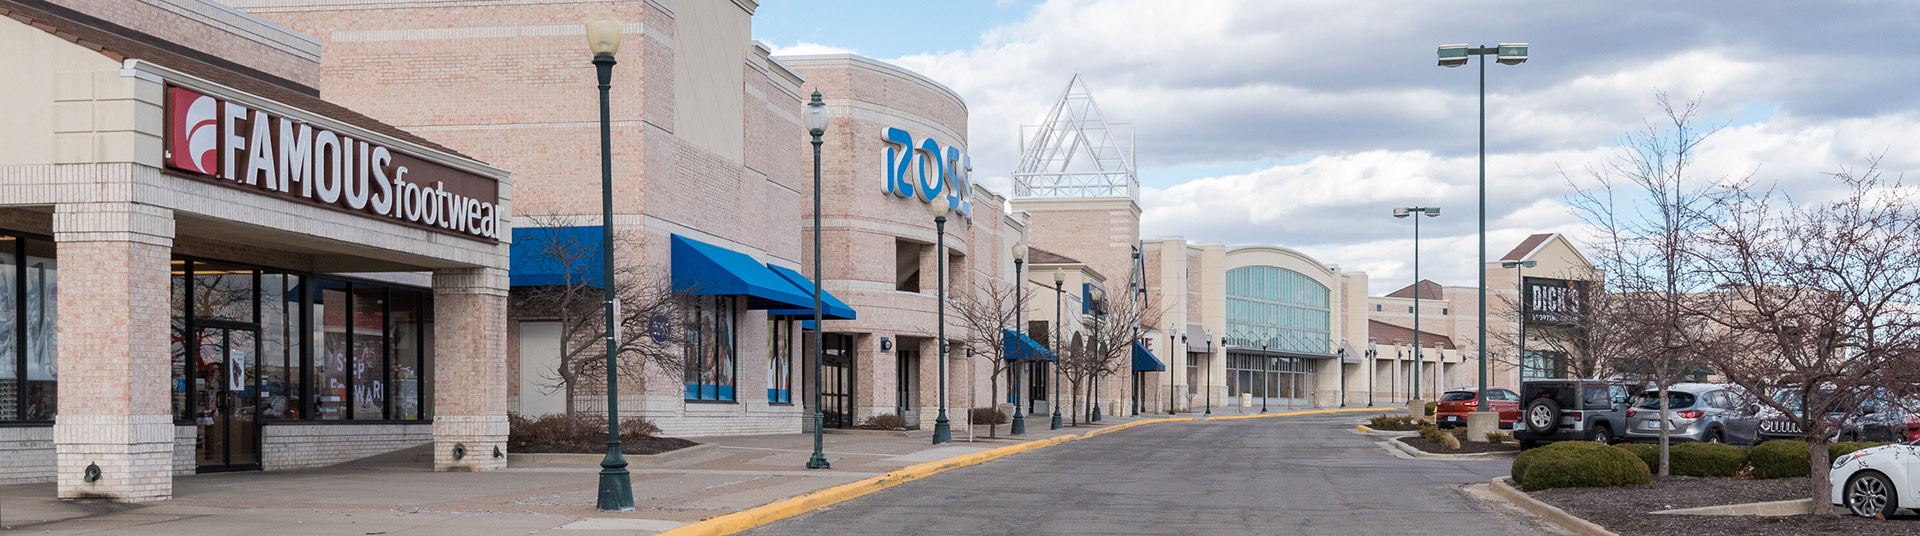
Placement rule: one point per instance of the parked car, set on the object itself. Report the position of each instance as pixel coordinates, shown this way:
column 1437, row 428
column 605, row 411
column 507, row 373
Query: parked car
column 1702, row 412
column 1572, row 410
column 1877, row 481
column 1881, row 417
column 1454, row 405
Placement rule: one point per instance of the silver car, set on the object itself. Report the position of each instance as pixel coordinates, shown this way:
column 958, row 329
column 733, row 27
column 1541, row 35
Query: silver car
column 1705, row 412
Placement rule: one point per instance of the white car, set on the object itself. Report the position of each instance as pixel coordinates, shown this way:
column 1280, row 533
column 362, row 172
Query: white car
column 1878, row 481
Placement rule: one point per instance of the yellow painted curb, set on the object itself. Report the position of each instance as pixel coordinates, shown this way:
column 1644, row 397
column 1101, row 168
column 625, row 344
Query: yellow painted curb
column 1362, row 428
column 768, row 513
column 1295, row 413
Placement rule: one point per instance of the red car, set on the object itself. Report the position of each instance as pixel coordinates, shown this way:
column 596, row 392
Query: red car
column 1455, row 404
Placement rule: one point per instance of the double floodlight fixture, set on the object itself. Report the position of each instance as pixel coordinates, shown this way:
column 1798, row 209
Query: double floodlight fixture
column 1402, row 212
column 1506, row 54
column 1525, row 264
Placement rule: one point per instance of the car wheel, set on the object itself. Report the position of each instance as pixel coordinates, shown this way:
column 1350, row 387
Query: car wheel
column 1542, row 416
column 1870, row 494
column 1601, row 434
column 1714, row 437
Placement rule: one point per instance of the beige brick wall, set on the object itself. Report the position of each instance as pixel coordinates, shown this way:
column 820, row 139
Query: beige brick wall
column 26, row 455
column 298, row 446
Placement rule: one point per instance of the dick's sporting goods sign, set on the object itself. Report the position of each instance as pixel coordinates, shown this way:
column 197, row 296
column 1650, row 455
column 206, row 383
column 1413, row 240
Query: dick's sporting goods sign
column 227, row 142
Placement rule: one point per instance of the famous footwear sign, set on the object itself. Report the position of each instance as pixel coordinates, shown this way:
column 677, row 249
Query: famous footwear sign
column 227, row 142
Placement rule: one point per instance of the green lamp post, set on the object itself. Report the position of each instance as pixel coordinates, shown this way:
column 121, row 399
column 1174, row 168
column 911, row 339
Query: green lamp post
column 817, row 117
column 1418, row 351
column 616, row 485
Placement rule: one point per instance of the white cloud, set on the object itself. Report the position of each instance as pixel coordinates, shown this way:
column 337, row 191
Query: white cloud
column 1351, row 88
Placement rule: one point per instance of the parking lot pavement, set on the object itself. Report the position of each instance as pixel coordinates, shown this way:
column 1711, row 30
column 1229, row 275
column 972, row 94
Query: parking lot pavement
column 400, row 494
column 1295, row 475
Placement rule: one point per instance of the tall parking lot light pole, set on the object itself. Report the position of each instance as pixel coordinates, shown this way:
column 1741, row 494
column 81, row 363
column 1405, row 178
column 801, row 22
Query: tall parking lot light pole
column 1209, row 372
column 942, row 430
column 817, row 118
column 1431, row 212
column 616, row 485
column 1171, row 342
column 1456, row 56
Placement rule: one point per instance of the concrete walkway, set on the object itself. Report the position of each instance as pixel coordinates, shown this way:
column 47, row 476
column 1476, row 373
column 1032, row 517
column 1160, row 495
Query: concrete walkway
column 400, row 494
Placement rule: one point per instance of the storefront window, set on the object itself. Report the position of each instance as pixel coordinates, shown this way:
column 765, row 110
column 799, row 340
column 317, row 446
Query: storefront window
column 9, row 329
column 365, row 356
column 710, row 347
column 280, row 346
column 29, row 304
column 369, row 359
column 403, row 383
column 331, row 350
column 780, row 361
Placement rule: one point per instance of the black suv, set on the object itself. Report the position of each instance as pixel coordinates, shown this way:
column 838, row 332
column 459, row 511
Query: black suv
column 1573, row 410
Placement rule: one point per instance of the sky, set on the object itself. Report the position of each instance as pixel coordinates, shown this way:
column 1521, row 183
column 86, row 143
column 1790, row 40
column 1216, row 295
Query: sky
column 1303, row 123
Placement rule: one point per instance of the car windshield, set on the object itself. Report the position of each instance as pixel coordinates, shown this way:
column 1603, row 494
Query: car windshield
column 1680, row 400
column 1793, row 400
column 1456, row 396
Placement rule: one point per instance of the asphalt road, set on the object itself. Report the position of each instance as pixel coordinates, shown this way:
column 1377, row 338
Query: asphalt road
column 1286, row 475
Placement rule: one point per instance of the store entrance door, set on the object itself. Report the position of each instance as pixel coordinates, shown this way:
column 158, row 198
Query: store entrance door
column 227, row 435
column 836, row 381
column 907, row 366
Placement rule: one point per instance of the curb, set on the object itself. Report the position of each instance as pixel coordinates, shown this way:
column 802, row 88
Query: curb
column 1790, row 507
column 1424, row 455
column 1504, row 489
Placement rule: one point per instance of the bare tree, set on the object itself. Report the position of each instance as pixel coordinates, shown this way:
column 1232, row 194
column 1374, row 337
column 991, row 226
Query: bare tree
column 1105, row 346
column 1820, row 296
column 987, row 313
column 576, row 300
column 1647, row 204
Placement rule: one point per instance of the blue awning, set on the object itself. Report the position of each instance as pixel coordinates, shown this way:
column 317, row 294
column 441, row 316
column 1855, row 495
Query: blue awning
column 1144, row 361
column 555, row 256
column 1021, row 347
column 704, row 269
column 834, row 308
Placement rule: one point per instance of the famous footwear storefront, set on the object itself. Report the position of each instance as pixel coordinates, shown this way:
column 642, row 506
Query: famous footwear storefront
column 209, row 268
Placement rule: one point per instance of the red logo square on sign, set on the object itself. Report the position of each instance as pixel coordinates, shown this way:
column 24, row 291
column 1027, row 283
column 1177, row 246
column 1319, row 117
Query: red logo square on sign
column 193, row 131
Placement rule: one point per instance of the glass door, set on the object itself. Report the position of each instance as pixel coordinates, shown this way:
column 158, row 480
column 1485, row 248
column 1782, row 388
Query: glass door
column 227, row 437
column 906, row 367
column 836, row 385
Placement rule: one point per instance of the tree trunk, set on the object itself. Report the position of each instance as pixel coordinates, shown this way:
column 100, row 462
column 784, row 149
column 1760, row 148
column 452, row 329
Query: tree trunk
column 1818, row 464
column 993, row 401
column 1664, row 443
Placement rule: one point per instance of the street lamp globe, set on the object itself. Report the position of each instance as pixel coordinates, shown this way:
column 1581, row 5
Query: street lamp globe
column 1019, row 251
column 603, row 34
column 940, row 207
column 816, row 115
column 1059, row 277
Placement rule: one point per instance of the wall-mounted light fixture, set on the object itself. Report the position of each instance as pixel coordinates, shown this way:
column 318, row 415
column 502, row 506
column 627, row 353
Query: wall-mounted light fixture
column 886, row 344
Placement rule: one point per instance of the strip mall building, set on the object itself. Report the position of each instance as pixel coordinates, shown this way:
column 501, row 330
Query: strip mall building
column 281, row 233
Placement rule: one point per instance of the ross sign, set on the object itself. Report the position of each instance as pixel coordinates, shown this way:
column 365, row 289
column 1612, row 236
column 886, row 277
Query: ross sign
column 936, row 171
column 223, row 141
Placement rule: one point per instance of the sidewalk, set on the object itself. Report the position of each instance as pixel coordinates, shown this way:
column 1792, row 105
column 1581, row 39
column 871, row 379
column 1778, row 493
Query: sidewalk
column 399, row 493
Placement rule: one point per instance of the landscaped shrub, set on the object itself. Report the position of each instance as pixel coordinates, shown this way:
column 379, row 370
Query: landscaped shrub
column 1431, row 432
column 1450, row 441
column 884, row 421
column 988, row 416
column 1650, row 454
column 1705, row 459
column 1432, row 407
column 1836, row 450
column 1572, row 464
column 584, row 428
column 1496, row 437
column 1398, row 423
column 1780, row 458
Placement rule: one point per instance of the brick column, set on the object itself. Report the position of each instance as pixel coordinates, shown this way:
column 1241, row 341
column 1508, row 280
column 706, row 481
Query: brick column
column 469, row 368
column 114, row 411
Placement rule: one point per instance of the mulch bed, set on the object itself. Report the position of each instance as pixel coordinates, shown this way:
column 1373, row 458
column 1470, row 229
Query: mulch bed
column 1624, row 509
column 1466, row 447
column 643, row 446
